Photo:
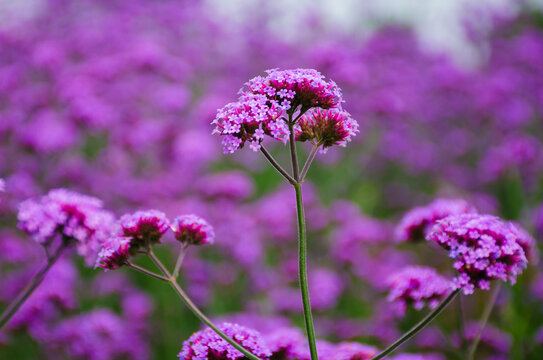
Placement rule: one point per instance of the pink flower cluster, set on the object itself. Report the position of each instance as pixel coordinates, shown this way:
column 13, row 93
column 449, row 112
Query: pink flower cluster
column 259, row 109
column 206, row 344
column 193, row 230
column 144, row 227
column 73, row 216
column 415, row 224
column 326, row 128
column 484, row 247
column 417, row 286
column 114, row 254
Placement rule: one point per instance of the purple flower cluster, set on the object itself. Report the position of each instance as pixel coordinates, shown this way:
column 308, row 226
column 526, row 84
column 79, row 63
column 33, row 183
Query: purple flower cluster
column 265, row 99
column 115, row 253
column 326, row 128
column 144, row 227
column 415, row 224
column 206, row 344
column 73, row 216
column 193, row 230
column 484, row 248
column 417, row 286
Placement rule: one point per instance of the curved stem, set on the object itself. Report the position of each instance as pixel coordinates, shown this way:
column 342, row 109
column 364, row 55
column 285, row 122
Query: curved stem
column 30, row 287
column 308, row 162
column 199, row 314
column 302, row 262
column 276, row 165
column 484, row 320
column 421, row 325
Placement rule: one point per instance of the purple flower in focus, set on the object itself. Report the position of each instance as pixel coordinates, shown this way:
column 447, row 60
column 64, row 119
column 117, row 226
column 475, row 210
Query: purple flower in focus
column 417, row 286
column 206, row 344
column 193, row 230
column 484, row 247
column 144, row 227
column 416, row 223
column 114, row 254
column 326, row 128
column 73, row 216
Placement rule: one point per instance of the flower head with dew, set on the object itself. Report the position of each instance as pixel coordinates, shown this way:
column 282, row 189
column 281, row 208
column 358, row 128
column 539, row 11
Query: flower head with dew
column 114, row 254
column 206, row 344
column 76, row 218
column 144, row 227
column 417, row 286
column 193, row 230
column 484, row 248
column 325, row 128
column 416, row 223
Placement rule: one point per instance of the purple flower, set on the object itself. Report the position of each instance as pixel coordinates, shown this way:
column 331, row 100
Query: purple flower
column 206, row 344
column 193, row 230
column 417, row 286
column 326, row 128
column 114, row 254
column 304, row 87
column 234, row 185
column 144, row 227
column 286, row 343
column 415, row 224
column 484, row 247
column 354, row 351
column 73, row 216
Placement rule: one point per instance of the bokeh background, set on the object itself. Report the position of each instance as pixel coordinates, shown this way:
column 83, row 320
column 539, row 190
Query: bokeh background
column 115, row 98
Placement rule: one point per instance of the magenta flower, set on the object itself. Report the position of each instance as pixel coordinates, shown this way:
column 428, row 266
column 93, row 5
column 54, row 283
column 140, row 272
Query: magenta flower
column 144, row 227
column 287, row 342
column 73, row 216
column 416, row 223
column 206, row 344
column 193, row 230
column 417, row 286
column 484, row 247
column 326, row 128
column 306, row 88
column 354, row 351
column 114, row 254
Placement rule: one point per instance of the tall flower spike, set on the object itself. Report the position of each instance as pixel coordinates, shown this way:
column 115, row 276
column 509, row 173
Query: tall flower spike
column 206, row 344
column 68, row 214
column 417, row 286
column 326, row 128
column 484, row 247
column 193, row 230
column 144, row 227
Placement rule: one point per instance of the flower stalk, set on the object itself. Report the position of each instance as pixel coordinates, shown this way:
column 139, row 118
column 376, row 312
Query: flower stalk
column 484, row 319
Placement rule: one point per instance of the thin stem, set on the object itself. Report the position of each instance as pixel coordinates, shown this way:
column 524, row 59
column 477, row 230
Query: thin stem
column 461, row 324
column 146, row 272
column 199, row 314
column 30, row 287
column 484, row 319
column 179, row 261
column 421, row 325
column 276, row 165
column 308, row 162
column 293, row 155
column 302, row 262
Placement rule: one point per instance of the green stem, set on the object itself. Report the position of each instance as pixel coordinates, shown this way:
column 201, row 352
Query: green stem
column 179, row 261
column 484, row 320
column 145, row 271
column 421, row 325
column 304, row 288
column 308, row 162
column 30, row 287
column 276, row 165
column 293, row 155
column 197, row 312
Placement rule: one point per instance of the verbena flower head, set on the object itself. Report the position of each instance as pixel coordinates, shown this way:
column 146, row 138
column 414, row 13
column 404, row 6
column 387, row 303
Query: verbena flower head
column 286, row 343
column 68, row 214
column 417, row 286
column 193, row 230
column 206, row 344
column 416, row 223
column 114, row 254
column 266, row 101
column 305, row 88
column 144, row 227
column 354, row 351
column 326, row 128
column 484, row 247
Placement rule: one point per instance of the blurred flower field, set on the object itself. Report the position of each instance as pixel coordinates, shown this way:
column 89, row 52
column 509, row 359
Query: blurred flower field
column 116, row 99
